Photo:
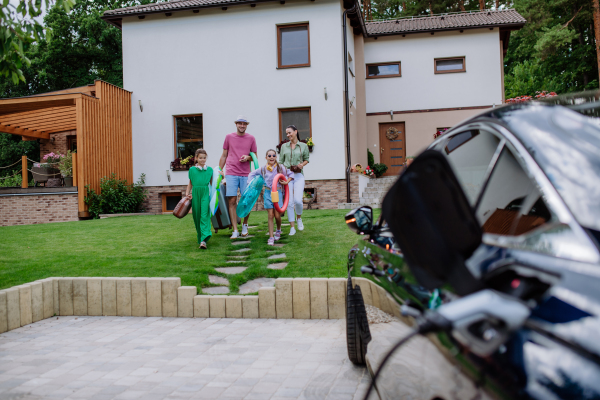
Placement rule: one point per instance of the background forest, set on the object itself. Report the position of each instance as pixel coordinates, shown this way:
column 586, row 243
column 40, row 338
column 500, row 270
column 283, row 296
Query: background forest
column 555, row 51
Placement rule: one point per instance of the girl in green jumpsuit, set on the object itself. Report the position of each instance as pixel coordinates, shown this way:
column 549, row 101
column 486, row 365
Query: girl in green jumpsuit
column 200, row 178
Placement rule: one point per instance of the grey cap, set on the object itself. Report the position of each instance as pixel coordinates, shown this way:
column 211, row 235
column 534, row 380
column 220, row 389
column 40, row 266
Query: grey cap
column 242, row 118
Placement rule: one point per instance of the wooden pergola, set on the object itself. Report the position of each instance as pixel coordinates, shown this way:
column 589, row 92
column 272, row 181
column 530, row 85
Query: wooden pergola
column 101, row 116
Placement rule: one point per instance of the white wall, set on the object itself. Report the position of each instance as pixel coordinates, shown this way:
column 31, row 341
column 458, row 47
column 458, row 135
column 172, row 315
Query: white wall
column 224, row 63
column 419, row 87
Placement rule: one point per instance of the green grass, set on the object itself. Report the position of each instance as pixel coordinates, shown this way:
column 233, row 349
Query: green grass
column 164, row 246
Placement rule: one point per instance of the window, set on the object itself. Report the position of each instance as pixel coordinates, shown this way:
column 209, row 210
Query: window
column 188, row 135
column 383, row 70
column 299, row 117
column 449, row 65
column 72, row 143
column 170, row 200
column 293, row 46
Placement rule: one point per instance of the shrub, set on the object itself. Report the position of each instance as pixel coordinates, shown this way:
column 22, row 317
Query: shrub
column 379, row 169
column 13, row 181
column 370, row 159
column 116, row 196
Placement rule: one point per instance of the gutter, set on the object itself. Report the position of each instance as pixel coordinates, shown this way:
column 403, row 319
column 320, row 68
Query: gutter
column 346, row 100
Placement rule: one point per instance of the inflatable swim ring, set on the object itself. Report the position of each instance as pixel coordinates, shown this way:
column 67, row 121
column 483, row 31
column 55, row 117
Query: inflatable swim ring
column 275, row 194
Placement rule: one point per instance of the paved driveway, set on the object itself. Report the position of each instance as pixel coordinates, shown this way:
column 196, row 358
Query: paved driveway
column 178, row 358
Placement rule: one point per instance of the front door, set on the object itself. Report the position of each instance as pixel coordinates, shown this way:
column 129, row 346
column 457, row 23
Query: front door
column 392, row 146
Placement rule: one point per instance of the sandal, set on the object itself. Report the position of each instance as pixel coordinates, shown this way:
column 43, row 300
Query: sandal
column 203, row 245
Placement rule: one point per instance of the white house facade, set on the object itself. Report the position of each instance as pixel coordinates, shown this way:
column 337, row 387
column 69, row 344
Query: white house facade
column 193, row 67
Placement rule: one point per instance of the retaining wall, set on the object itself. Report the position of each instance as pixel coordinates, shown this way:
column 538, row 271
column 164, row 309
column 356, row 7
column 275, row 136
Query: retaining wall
column 38, row 206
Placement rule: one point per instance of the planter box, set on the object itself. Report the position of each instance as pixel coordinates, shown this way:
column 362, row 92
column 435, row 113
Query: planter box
column 42, row 174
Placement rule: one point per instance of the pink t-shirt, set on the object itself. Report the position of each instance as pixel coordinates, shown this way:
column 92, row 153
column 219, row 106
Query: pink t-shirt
column 238, row 146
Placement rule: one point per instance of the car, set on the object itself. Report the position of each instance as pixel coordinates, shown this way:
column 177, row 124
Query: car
column 500, row 219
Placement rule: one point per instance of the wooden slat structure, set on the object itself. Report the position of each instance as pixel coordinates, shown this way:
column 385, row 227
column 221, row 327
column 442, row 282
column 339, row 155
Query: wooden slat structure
column 101, row 115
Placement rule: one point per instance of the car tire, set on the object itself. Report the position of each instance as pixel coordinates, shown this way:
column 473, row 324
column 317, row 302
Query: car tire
column 358, row 334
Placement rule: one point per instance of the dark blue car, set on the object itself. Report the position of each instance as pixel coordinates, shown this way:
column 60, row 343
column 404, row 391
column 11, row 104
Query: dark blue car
column 499, row 218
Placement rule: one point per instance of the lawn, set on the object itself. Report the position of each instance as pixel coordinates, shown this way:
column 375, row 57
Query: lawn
column 164, row 246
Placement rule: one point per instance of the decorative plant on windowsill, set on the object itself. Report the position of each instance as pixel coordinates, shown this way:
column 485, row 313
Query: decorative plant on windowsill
column 310, row 145
column 182, row 164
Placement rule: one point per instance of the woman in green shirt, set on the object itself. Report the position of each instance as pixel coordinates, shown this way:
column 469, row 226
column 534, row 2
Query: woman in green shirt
column 294, row 155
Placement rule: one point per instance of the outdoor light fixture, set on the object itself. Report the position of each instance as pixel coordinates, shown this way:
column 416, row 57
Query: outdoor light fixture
column 352, row 101
column 141, row 106
column 325, row 92
column 169, row 175
column 392, row 114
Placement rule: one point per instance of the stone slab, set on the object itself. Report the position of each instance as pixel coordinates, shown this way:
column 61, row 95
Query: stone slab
column 276, row 256
column 138, row 297
column 216, row 290
column 55, row 296
column 109, row 296
column 279, row 245
column 238, row 257
column 13, row 312
column 25, row 304
column 48, row 295
column 169, row 296
column 242, row 250
column 3, row 312
column 231, row 270
column 154, row 297
column 374, row 295
column 365, row 289
column 218, row 280
column 384, row 301
column 281, row 265
column 185, row 301
column 235, row 262
column 80, row 297
column 301, row 298
column 318, row 298
column 217, row 306
column 202, row 306
column 283, row 301
column 65, row 296
column 124, row 297
column 241, row 242
column 243, row 237
column 94, row 293
column 336, row 295
column 233, row 307
column 255, row 284
column 250, row 307
column 37, row 301
column 266, row 302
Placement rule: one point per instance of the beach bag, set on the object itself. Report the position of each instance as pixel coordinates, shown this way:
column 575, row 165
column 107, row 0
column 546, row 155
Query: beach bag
column 183, row 207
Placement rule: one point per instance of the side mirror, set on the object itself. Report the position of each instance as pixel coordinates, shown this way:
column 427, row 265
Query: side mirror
column 433, row 223
column 360, row 220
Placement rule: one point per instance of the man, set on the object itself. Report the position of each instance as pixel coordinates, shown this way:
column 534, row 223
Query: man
column 236, row 158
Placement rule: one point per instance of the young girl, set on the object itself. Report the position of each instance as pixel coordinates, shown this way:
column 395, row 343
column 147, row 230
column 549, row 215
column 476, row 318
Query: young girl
column 200, row 178
column 268, row 172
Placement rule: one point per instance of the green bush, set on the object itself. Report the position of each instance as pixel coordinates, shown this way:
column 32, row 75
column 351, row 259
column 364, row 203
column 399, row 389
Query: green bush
column 379, row 169
column 13, row 181
column 116, row 196
column 370, row 159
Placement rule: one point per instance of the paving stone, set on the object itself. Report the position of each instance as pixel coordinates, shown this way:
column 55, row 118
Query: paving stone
column 233, row 307
column 235, row 262
column 13, row 312
column 238, row 257
column 109, row 297
column 124, row 297
column 218, row 280
column 318, row 298
column 94, row 292
column 276, row 256
column 217, row 306
column 48, row 295
column 252, row 227
column 266, row 302
column 242, row 250
column 301, row 298
column 255, row 284
column 279, row 244
column 80, row 296
column 243, row 237
column 216, row 290
column 169, row 296
column 138, row 297
column 283, row 301
column 154, row 297
column 281, row 265
column 231, row 270
column 65, row 294
column 37, row 302
column 336, row 293
column 201, row 306
column 249, row 306
column 185, row 301
column 241, row 242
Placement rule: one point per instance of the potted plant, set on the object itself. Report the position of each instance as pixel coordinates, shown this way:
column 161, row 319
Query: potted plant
column 47, row 170
column 65, row 166
column 310, row 144
column 182, row 164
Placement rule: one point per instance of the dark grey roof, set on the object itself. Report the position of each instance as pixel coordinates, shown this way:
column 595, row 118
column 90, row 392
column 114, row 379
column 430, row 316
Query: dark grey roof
column 174, row 5
column 479, row 19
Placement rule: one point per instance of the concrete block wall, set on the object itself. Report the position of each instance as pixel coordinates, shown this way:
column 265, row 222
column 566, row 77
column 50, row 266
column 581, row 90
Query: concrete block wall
column 298, row 298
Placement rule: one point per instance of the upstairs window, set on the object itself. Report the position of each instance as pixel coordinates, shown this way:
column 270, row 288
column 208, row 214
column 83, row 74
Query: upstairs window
column 383, row 70
column 293, row 46
column 189, row 135
column 449, row 65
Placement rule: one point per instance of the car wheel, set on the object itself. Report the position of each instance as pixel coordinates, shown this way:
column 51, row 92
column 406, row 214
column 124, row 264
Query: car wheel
column 358, row 334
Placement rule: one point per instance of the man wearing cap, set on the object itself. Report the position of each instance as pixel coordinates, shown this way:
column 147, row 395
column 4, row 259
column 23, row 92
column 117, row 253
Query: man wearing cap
column 236, row 159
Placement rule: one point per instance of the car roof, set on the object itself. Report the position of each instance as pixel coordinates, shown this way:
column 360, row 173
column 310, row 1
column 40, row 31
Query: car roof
column 563, row 137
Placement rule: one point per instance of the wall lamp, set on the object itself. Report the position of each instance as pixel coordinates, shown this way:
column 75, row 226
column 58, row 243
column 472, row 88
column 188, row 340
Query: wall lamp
column 392, row 114
column 325, row 93
column 352, row 101
column 141, row 106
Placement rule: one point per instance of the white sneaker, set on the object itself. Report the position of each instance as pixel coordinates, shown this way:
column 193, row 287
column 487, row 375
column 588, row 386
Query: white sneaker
column 235, row 235
column 300, row 224
column 292, row 232
column 244, row 230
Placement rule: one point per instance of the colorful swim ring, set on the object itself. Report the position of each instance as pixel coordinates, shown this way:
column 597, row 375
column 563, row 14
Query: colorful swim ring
column 275, row 193
column 253, row 155
column 215, row 189
column 250, row 196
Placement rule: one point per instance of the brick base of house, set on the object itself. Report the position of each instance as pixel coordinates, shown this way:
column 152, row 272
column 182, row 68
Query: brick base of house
column 38, row 209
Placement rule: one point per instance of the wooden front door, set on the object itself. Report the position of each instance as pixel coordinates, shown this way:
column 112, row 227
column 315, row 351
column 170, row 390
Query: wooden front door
column 392, row 150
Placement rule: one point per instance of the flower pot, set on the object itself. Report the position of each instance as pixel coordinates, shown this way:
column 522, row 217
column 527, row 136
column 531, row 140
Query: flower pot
column 68, row 181
column 310, row 148
column 42, row 174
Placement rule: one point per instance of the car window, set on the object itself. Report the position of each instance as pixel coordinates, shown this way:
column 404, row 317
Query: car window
column 469, row 154
column 511, row 204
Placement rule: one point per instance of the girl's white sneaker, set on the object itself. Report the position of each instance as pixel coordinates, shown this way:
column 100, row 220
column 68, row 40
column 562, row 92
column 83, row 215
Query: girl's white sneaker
column 292, row 232
column 300, row 224
column 235, row 235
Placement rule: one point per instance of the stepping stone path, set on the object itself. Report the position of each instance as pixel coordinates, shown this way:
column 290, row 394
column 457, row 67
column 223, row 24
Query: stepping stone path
column 279, row 244
column 238, row 257
column 231, row 270
column 278, row 265
column 218, row 280
column 242, row 250
column 235, row 261
column 276, row 256
column 255, row 284
column 243, row 237
column 216, row 290
column 241, row 242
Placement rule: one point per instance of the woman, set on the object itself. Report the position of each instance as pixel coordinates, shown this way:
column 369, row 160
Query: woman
column 294, row 155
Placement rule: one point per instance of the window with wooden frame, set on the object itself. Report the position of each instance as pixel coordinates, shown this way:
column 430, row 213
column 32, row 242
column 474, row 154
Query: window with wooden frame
column 189, row 135
column 72, row 143
column 384, row 70
column 449, row 65
column 299, row 117
column 170, row 200
column 293, row 46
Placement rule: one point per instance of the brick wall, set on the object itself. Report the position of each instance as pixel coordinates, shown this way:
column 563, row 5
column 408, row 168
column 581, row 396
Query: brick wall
column 59, row 145
column 38, row 209
column 153, row 203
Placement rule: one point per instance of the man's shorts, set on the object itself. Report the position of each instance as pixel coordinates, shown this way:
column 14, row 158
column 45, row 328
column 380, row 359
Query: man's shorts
column 268, row 203
column 233, row 183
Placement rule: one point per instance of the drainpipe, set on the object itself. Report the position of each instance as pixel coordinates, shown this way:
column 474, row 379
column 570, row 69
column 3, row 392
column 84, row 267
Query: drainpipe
column 348, row 199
